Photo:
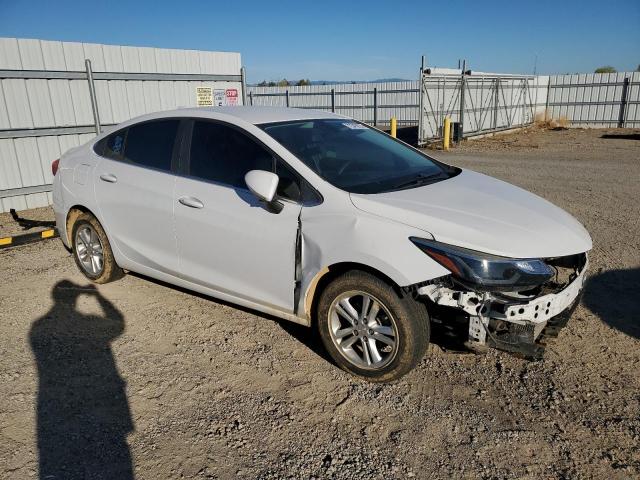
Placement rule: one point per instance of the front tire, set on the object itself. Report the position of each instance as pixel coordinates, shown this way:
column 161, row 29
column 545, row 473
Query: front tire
column 369, row 330
column 92, row 251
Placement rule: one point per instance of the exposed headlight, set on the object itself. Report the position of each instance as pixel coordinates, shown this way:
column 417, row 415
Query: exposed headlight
column 484, row 271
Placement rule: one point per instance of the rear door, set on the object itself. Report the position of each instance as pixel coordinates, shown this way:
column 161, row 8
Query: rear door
column 228, row 240
column 134, row 189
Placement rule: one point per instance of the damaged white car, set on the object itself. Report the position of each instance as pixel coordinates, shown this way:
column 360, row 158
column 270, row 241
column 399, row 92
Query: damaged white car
column 318, row 219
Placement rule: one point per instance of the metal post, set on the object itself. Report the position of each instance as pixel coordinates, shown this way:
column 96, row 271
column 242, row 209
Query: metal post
column 286, row 94
column 333, row 100
column 496, row 100
column 251, row 98
column 243, row 83
column 461, row 115
column 546, row 102
column 375, row 106
column 92, row 94
column 420, row 101
column 623, row 103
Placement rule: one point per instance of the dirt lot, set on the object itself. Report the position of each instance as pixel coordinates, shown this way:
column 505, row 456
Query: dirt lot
column 140, row 376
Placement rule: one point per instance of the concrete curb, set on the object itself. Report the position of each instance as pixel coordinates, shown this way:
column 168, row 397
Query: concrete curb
column 26, row 238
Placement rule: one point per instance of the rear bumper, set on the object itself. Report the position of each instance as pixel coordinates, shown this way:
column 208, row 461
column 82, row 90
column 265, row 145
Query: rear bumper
column 61, row 225
column 521, row 326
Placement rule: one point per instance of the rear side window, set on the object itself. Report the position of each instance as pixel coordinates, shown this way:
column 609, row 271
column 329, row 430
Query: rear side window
column 151, row 144
column 223, row 154
column 112, row 146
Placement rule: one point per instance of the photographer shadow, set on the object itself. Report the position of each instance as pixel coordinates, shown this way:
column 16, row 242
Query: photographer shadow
column 83, row 415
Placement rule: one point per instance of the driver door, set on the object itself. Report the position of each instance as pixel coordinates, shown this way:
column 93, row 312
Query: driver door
column 227, row 240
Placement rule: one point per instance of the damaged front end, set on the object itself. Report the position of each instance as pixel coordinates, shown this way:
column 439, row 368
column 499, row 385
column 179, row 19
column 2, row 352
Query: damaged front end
column 509, row 304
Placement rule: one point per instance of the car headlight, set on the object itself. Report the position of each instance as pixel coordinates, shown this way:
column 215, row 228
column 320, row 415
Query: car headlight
column 483, row 271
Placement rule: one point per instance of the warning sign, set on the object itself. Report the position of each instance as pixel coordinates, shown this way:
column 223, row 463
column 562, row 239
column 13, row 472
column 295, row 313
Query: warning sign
column 204, row 96
column 232, row 96
column 219, row 98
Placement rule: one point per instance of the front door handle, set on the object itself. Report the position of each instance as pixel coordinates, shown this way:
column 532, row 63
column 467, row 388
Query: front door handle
column 191, row 202
column 108, row 177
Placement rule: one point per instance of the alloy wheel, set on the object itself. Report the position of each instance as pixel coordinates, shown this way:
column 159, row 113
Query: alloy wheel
column 89, row 250
column 363, row 330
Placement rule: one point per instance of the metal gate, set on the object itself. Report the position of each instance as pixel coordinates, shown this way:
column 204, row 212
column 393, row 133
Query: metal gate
column 480, row 103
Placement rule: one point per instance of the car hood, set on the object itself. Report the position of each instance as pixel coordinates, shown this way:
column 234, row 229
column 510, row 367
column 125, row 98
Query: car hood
column 482, row 213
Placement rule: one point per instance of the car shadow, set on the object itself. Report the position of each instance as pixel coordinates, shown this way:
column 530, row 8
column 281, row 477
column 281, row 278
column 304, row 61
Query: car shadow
column 450, row 340
column 621, row 136
column 303, row 334
column 82, row 411
column 613, row 296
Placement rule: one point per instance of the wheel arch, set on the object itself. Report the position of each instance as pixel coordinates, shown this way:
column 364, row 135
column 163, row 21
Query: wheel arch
column 72, row 215
column 325, row 275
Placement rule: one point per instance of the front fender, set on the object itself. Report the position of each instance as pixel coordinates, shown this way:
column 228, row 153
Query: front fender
column 330, row 238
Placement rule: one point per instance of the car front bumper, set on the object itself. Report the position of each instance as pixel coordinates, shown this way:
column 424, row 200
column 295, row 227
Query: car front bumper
column 519, row 326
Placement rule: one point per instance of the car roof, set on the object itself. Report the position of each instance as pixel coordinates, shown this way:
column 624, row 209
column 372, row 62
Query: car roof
column 258, row 115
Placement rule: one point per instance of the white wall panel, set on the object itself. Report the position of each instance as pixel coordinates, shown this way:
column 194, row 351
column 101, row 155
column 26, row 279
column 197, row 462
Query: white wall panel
column 103, row 97
column 93, row 52
column 147, row 60
column 30, row 54
column 17, row 103
column 40, row 99
column 73, row 56
column 48, row 150
column 130, row 59
column 119, row 102
column 112, row 58
column 53, row 55
column 29, row 161
column 10, row 54
column 81, row 102
column 62, row 103
column 135, row 98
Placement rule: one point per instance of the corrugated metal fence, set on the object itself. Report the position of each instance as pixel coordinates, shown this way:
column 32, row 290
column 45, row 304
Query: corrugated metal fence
column 596, row 99
column 46, row 103
column 492, row 102
column 373, row 103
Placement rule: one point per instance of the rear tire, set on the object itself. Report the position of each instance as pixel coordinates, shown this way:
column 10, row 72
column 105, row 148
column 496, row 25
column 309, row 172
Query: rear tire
column 369, row 330
column 92, row 251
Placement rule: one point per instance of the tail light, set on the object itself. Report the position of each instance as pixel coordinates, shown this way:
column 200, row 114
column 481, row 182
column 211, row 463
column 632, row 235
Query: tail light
column 54, row 166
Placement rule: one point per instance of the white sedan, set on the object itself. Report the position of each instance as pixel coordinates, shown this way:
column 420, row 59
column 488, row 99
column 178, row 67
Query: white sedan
column 319, row 219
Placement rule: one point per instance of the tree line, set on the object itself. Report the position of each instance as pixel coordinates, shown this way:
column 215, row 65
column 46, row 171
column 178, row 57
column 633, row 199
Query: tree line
column 285, row 83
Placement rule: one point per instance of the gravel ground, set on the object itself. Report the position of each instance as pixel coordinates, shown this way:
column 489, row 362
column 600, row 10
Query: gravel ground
column 136, row 376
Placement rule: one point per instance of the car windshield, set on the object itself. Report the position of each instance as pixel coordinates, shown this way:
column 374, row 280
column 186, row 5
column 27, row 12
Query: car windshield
column 355, row 157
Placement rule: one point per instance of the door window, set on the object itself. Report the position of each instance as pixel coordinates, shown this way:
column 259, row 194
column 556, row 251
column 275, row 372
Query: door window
column 150, row 144
column 223, row 154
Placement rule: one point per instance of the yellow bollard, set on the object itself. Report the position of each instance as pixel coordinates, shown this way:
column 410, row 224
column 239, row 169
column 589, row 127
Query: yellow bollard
column 394, row 127
column 446, row 133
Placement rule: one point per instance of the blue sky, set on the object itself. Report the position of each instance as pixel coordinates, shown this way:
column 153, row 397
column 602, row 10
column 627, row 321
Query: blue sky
column 353, row 40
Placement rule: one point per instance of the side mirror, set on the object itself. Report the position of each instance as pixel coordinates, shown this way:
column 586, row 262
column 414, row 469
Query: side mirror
column 262, row 184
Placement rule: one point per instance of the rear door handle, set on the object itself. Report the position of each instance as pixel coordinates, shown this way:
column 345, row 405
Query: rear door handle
column 108, row 177
column 191, row 202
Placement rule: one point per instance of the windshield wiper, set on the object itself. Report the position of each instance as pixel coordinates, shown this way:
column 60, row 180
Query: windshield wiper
column 419, row 179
